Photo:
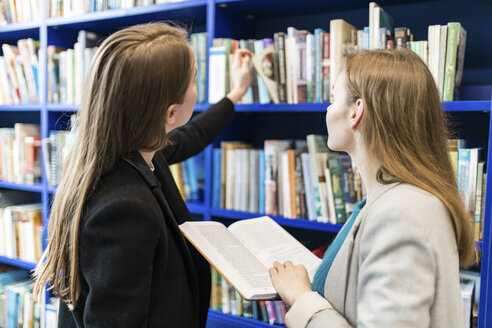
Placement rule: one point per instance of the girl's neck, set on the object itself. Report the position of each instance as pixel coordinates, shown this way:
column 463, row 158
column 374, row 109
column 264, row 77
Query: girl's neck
column 368, row 167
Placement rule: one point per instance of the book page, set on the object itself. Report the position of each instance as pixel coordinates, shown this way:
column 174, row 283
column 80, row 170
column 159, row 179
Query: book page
column 270, row 242
column 236, row 264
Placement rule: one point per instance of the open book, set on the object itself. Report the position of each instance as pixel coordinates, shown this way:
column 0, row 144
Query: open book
column 244, row 252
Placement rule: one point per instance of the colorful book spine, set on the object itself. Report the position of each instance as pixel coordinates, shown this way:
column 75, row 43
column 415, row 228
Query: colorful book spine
column 334, row 164
column 261, row 166
column 216, row 177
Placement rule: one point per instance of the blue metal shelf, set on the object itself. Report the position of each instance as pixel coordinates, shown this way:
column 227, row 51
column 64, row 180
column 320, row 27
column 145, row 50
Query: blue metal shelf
column 467, row 106
column 196, row 207
column 450, row 106
column 62, row 107
column 107, row 20
column 199, row 107
column 17, row 263
column 296, row 223
column 217, row 319
column 12, row 32
column 36, row 187
column 19, row 27
column 20, row 108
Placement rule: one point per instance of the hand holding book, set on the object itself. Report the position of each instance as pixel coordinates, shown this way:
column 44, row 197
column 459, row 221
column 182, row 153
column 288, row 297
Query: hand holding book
column 290, row 281
column 244, row 252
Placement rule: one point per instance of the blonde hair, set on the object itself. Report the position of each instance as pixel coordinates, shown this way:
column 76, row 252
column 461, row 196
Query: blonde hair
column 405, row 125
column 136, row 74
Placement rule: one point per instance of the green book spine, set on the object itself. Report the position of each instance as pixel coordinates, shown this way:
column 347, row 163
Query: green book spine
column 336, row 183
column 450, row 62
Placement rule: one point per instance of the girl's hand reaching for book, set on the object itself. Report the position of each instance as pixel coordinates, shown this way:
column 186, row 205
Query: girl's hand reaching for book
column 240, row 74
column 290, row 281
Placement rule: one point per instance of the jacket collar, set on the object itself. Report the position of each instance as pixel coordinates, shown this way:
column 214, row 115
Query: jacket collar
column 338, row 277
column 136, row 160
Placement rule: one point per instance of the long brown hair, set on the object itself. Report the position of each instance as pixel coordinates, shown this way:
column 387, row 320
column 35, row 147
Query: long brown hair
column 136, row 74
column 405, row 125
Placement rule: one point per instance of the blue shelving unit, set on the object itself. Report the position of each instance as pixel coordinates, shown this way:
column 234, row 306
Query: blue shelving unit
column 296, row 223
column 217, row 319
column 259, row 19
column 20, row 108
column 18, row 263
column 36, row 187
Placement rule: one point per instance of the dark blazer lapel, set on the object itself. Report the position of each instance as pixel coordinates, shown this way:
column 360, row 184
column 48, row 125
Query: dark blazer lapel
column 137, row 162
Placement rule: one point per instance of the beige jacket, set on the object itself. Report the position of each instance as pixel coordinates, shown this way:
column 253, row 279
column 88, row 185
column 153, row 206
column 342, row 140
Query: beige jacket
column 398, row 267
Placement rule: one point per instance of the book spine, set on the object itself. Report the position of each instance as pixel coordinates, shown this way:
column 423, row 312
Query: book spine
column 270, row 312
column 308, row 187
column 347, row 178
column 262, row 89
column 280, row 50
column 261, row 182
column 464, row 173
column 450, row 65
column 216, row 178
column 263, row 311
column 334, row 165
column 326, row 66
column 217, row 74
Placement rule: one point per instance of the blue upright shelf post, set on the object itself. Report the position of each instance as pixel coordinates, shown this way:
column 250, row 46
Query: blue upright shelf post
column 485, row 307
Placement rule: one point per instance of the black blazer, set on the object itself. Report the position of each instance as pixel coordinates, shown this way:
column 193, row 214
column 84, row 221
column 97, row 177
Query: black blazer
column 136, row 268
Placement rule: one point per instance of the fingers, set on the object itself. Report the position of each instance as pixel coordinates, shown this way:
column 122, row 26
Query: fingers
column 288, row 264
column 244, row 53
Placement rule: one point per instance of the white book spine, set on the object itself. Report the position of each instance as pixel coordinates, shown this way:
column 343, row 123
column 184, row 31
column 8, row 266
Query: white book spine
column 217, row 74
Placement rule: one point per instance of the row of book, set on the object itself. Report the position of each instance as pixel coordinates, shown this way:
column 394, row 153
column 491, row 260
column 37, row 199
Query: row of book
column 470, row 295
column 67, row 8
column 17, row 306
column 293, row 178
column 298, row 66
column 224, row 298
column 20, row 153
column 189, row 176
column 67, row 68
column 55, row 152
column 471, row 178
column 19, row 73
column 19, row 11
column 21, row 232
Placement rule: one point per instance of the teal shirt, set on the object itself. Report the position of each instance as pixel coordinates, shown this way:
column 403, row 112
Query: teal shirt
column 332, row 251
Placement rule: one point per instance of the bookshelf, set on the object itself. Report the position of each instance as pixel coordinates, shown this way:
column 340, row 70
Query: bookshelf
column 253, row 123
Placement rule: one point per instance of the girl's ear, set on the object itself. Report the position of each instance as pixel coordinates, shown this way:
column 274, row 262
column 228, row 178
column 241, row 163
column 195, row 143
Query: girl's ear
column 171, row 115
column 357, row 114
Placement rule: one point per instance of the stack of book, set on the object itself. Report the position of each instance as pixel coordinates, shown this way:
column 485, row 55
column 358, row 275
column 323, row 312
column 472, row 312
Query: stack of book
column 471, row 178
column 224, row 298
column 19, row 73
column 190, row 177
column 17, row 307
column 67, row 68
column 20, row 153
column 298, row 66
column 19, row 11
column 21, row 228
column 294, row 178
column 67, row 8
